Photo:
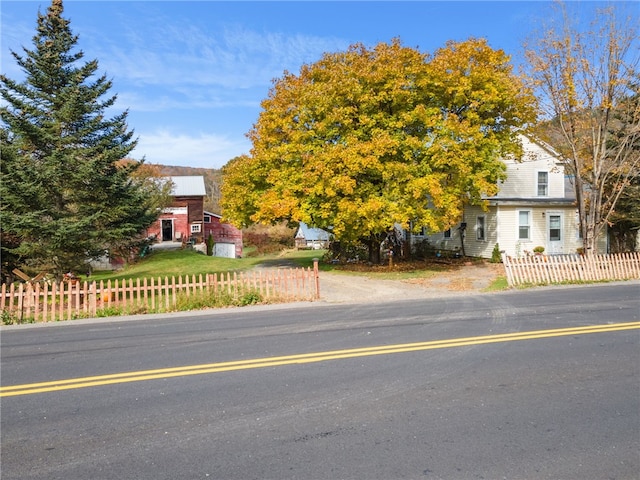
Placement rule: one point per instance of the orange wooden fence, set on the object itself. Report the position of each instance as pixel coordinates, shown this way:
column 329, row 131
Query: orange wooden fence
column 42, row 302
column 549, row 269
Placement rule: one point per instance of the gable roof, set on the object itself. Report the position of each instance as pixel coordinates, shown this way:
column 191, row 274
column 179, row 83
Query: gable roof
column 311, row 233
column 188, row 186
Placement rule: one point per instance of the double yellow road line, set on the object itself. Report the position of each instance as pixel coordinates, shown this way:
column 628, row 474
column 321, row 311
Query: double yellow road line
column 162, row 373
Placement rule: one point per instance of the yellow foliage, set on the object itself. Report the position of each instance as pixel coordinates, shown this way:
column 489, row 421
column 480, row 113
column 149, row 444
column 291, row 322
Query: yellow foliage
column 367, row 138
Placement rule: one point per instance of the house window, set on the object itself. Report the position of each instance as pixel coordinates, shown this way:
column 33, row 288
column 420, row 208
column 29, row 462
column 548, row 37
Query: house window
column 543, row 184
column 480, row 233
column 555, row 228
column 447, row 233
column 207, row 219
column 196, row 228
column 524, row 224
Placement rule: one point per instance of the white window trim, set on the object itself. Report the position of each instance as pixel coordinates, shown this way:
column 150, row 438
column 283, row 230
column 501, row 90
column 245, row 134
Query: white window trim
column 560, row 229
column 537, row 186
column 528, row 225
column 196, row 228
column 484, row 228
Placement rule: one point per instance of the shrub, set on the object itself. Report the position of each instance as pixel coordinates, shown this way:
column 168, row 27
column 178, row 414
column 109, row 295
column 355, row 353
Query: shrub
column 423, row 249
column 8, row 318
column 269, row 238
column 342, row 252
column 250, row 298
column 496, row 257
column 109, row 312
column 211, row 299
column 210, row 245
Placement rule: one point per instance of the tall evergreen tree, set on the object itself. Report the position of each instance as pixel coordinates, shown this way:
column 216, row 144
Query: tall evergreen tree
column 65, row 195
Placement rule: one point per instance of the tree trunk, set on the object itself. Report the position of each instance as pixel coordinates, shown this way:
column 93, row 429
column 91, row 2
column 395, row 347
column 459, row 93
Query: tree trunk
column 374, row 241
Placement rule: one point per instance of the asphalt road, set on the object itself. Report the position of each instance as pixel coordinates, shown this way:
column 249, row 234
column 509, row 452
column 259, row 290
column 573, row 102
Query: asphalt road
column 541, row 384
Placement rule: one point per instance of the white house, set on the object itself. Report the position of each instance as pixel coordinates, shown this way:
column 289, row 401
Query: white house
column 535, row 207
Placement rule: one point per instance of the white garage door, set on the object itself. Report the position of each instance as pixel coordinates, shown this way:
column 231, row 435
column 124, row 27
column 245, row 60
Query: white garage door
column 227, row 250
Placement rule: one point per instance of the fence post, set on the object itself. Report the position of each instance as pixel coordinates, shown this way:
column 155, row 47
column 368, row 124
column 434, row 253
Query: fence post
column 507, row 267
column 4, row 296
column 316, row 277
column 45, row 303
column 93, row 307
column 21, row 301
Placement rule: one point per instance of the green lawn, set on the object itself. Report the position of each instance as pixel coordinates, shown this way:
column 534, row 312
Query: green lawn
column 177, row 263
column 189, row 262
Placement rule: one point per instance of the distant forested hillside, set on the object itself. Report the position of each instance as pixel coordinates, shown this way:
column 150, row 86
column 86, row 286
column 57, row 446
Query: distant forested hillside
column 212, row 179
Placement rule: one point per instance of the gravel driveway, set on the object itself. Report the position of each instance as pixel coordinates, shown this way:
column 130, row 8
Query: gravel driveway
column 345, row 287
column 466, row 280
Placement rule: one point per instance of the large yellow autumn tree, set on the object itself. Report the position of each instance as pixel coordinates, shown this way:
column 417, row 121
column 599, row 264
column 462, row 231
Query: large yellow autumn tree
column 368, row 138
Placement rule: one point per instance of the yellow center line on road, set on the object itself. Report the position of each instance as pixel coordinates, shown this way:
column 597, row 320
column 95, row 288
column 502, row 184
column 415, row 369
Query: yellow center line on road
column 163, row 373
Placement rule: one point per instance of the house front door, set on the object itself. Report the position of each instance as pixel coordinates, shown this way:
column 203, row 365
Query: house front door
column 554, row 233
column 167, row 230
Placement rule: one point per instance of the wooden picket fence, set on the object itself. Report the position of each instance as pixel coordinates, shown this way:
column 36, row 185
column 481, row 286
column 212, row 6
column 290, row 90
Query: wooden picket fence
column 550, row 269
column 44, row 302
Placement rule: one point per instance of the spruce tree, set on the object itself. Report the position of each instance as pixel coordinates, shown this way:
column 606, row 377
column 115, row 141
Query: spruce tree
column 66, row 195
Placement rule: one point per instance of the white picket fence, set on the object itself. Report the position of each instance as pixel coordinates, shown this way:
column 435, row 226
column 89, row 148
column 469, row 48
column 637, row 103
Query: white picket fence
column 550, row 269
column 43, row 302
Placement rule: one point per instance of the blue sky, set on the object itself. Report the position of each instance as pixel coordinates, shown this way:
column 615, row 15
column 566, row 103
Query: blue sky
column 193, row 73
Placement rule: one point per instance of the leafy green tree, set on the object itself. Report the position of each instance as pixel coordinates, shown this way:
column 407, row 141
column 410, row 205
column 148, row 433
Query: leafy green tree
column 65, row 196
column 368, row 138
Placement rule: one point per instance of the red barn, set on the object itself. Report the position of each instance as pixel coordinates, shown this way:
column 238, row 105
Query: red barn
column 186, row 221
column 183, row 220
column 227, row 238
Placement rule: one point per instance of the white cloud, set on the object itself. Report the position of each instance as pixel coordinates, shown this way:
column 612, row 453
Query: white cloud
column 176, row 53
column 181, row 99
column 15, row 36
column 204, row 150
column 188, row 71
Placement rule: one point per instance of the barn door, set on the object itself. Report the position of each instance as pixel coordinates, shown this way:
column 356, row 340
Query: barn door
column 225, row 250
column 167, row 230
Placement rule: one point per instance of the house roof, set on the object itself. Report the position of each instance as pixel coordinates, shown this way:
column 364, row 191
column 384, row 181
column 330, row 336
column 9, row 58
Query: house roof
column 311, row 233
column 188, row 186
column 531, row 202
